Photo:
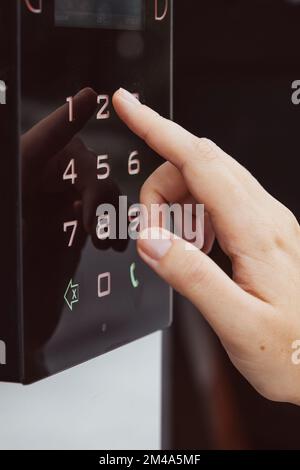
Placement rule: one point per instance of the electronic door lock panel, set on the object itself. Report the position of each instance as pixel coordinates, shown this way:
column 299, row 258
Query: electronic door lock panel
column 69, row 291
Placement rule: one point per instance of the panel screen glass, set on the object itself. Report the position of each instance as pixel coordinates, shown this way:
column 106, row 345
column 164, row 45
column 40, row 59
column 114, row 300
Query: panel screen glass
column 85, row 295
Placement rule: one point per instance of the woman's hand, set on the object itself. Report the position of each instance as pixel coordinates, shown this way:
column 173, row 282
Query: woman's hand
column 256, row 314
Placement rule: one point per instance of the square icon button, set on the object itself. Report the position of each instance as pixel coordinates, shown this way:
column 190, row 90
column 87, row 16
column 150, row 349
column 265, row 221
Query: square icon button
column 104, row 285
column 3, row 89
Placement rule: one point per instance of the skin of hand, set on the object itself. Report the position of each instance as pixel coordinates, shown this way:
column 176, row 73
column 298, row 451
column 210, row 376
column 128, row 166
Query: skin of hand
column 256, row 314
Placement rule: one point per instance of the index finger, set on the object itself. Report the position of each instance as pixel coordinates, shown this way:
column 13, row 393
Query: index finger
column 212, row 176
column 208, row 170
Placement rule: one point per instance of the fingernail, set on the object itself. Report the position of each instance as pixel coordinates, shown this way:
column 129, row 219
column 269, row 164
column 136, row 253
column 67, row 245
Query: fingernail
column 128, row 96
column 155, row 243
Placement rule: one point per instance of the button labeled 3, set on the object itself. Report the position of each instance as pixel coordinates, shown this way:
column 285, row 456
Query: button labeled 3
column 72, row 294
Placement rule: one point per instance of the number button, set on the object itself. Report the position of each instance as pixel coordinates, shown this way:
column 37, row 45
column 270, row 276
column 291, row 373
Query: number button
column 103, row 112
column 73, row 225
column 103, row 227
column 70, row 101
column 103, row 166
column 134, row 164
column 70, row 173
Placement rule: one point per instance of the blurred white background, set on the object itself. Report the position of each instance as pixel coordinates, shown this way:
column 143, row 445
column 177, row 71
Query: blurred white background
column 113, row 402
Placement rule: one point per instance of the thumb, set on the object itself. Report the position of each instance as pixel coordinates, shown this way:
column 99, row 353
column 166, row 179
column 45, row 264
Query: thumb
column 194, row 275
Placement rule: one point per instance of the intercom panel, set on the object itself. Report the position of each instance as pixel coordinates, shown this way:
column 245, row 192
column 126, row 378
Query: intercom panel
column 70, row 293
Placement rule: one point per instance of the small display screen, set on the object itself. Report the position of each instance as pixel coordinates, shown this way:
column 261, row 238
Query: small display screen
column 105, row 14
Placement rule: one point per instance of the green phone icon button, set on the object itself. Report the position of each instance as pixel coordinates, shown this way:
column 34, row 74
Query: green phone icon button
column 134, row 281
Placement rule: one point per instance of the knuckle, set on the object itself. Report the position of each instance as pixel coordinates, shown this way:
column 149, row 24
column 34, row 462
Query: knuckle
column 203, row 152
column 193, row 273
column 292, row 220
column 285, row 214
column 205, row 149
column 285, row 230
